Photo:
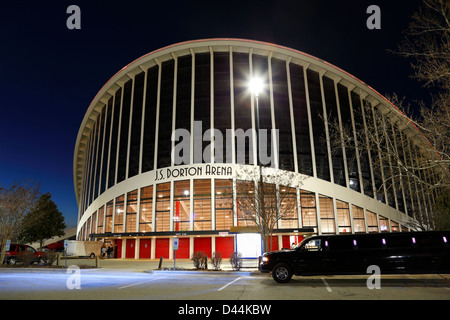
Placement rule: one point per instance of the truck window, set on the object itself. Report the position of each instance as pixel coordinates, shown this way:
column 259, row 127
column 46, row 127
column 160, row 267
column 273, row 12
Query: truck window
column 369, row 243
column 313, row 245
column 433, row 240
column 337, row 244
column 401, row 241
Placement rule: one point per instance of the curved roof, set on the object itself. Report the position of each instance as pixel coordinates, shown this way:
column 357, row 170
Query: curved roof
column 218, row 45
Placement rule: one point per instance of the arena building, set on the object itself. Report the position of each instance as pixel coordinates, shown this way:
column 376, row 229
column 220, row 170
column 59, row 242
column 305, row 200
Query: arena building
column 134, row 193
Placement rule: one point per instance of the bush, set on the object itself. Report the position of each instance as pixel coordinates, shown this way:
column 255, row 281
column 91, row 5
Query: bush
column 50, row 257
column 216, row 260
column 236, row 261
column 200, row 260
column 26, row 258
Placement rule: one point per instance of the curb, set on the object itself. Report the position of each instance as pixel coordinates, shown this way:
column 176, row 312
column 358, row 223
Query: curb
column 43, row 270
column 218, row 273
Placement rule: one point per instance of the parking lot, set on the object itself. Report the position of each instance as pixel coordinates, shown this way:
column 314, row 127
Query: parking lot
column 131, row 280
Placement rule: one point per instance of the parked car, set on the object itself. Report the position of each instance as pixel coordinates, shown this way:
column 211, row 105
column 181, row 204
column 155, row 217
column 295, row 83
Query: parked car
column 409, row 252
column 15, row 250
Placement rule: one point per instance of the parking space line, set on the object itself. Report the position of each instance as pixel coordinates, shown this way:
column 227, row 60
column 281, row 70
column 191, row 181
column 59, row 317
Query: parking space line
column 326, row 285
column 138, row 283
column 229, row 284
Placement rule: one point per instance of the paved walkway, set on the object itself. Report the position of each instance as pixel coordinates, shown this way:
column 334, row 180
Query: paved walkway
column 142, row 265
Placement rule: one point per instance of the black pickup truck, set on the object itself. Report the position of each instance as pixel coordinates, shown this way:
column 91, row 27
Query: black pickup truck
column 409, row 252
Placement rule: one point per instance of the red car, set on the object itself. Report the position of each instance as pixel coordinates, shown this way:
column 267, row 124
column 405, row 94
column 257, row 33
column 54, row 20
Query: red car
column 16, row 250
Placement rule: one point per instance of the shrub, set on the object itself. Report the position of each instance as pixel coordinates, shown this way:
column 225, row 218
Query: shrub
column 50, row 257
column 26, row 258
column 200, row 260
column 216, row 260
column 236, row 261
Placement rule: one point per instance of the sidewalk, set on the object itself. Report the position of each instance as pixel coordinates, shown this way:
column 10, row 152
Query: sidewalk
column 139, row 265
column 147, row 265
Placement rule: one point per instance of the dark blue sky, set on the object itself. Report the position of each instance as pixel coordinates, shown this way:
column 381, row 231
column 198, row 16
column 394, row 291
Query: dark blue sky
column 50, row 74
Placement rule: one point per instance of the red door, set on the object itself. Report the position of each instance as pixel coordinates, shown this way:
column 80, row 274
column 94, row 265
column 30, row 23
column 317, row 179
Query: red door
column 287, row 242
column 131, row 249
column 118, row 248
column 145, row 248
column 273, row 243
column 162, row 248
column 203, row 244
column 183, row 248
column 225, row 245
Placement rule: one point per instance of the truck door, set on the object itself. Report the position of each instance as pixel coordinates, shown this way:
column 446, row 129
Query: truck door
column 310, row 258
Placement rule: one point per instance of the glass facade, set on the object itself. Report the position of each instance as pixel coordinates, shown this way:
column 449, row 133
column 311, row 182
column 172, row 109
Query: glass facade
column 129, row 138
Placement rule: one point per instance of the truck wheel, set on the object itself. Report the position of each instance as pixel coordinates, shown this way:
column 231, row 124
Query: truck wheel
column 282, row 273
column 12, row 261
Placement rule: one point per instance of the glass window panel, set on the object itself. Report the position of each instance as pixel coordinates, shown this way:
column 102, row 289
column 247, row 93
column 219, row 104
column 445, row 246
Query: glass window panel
column 162, row 220
column 358, row 219
column 333, row 118
column 202, row 204
column 343, row 215
column 100, row 119
column 106, row 145
column 363, row 152
column 165, row 114
column 94, row 223
column 344, row 104
column 109, row 216
column 183, row 104
column 384, row 224
column 308, row 205
column 282, row 114
column 246, row 210
column 136, row 124
column 320, row 144
column 92, row 164
column 372, row 224
column 87, row 166
column 118, row 214
column 242, row 103
column 395, row 227
column 114, row 138
column 288, row 207
column 148, row 143
column 224, row 204
column 130, row 224
column 124, row 126
column 326, row 214
column 146, row 207
column 222, row 102
column 302, row 137
column 181, row 206
column 261, row 71
column 202, row 99
column 101, row 216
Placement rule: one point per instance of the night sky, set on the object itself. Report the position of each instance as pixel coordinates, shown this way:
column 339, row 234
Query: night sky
column 50, row 74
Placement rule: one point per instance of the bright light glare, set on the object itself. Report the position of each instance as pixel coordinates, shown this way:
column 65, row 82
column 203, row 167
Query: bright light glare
column 256, row 85
column 249, row 244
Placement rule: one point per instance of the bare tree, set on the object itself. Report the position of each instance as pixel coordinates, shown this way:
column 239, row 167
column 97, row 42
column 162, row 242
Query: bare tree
column 427, row 44
column 266, row 200
column 15, row 202
column 406, row 162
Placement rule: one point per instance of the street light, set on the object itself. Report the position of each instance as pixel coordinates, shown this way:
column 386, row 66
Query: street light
column 256, row 86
